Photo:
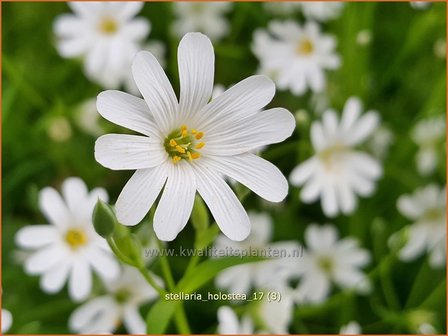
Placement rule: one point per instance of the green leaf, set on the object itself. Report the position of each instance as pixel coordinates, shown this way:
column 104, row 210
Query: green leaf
column 159, row 316
column 205, row 238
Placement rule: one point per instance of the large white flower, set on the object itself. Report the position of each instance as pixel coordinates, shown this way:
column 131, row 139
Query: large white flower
column 189, row 146
column 258, row 275
column 228, row 323
column 105, row 34
column 104, row 314
column 338, row 172
column 6, row 320
column 322, row 10
column 427, row 209
column 295, row 56
column 328, row 260
column 68, row 247
column 428, row 134
column 206, row 17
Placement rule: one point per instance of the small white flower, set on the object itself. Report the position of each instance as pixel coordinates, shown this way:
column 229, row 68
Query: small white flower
column 59, row 129
column 68, row 247
column 338, row 172
column 322, row 10
column 6, row 320
column 228, row 323
column 190, row 145
column 428, row 134
column 205, row 17
column 104, row 314
column 328, row 260
column 105, row 34
column 258, row 275
column 351, row 328
column 380, row 142
column 364, row 37
column 426, row 207
column 297, row 56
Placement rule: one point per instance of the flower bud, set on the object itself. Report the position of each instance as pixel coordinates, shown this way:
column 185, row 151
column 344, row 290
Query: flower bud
column 103, row 219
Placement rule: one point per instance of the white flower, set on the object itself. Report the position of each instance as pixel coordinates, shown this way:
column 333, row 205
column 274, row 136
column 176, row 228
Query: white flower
column 228, row 323
column 205, row 17
column 328, row 260
column 105, row 34
column 428, row 134
column 189, row 146
column 104, row 314
column 322, row 10
column 276, row 316
column 87, row 117
column 351, row 328
column 426, row 207
column 296, row 56
column 68, row 247
column 380, row 142
column 258, row 275
column 338, row 172
column 6, row 320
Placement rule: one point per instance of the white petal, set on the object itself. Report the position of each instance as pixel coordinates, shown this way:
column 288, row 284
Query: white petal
column 137, row 29
column 318, row 139
column 74, row 191
column 53, row 207
column 328, row 200
column 54, row 279
column 350, row 115
column 415, row 245
column 257, row 174
column 346, row 198
column 6, row 320
column 104, row 264
column 228, row 323
column 225, row 207
column 302, row 172
column 133, row 321
column 348, row 277
column 176, row 203
column 240, row 101
column 320, row 238
column 236, row 279
column 363, row 128
column 124, row 151
column 36, row 236
column 86, row 316
column 80, row 282
column 155, row 87
column 45, row 259
column 314, row 287
column 86, row 9
column 127, row 10
column 139, row 194
column 128, row 111
column 73, row 47
column 196, row 60
column 330, row 123
column 365, row 165
column 311, row 190
column 264, row 128
column 68, row 25
column 409, row 208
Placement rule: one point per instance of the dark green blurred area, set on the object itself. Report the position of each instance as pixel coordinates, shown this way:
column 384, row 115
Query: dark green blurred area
column 396, row 74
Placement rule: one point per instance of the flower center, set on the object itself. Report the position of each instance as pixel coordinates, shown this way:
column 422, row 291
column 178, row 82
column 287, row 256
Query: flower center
column 331, row 156
column 184, row 144
column 434, row 215
column 326, row 264
column 75, row 238
column 108, row 25
column 122, row 295
column 305, row 47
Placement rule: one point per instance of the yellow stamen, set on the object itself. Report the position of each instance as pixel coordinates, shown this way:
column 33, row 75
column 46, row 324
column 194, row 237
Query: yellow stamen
column 200, row 145
column 193, row 131
column 199, row 135
column 184, row 133
column 180, row 149
column 75, row 238
column 189, row 156
column 196, row 155
column 173, row 143
column 176, row 158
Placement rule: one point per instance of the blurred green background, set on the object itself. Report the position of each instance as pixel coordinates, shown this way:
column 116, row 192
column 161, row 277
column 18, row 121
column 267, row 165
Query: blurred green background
column 397, row 73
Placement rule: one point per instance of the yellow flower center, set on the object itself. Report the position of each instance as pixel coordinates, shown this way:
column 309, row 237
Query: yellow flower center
column 184, row 144
column 108, row 26
column 331, row 156
column 75, row 238
column 326, row 264
column 434, row 215
column 305, row 47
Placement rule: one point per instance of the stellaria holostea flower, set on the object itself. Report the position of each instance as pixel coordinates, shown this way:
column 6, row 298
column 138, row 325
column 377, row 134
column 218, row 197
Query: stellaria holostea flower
column 68, row 247
column 189, row 146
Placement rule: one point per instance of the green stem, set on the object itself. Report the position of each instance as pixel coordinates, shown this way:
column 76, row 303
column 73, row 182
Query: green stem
column 148, row 277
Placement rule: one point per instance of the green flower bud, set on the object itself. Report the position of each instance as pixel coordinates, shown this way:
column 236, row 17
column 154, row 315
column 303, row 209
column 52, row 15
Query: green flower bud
column 104, row 220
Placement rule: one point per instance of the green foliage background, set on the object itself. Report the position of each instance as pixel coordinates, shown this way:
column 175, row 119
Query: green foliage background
column 396, row 74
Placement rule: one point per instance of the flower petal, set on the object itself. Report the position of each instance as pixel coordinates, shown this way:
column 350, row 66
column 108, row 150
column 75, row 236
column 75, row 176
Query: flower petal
column 75, row 192
column 302, row 172
column 123, row 151
column 156, row 89
column 176, row 203
column 225, row 207
column 363, row 128
column 53, row 280
column 264, row 128
column 196, row 60
column 259, row 175
column 133, row 321
column 350, row 115
column 320, row 238
column 128, row 111
column 240, row 101
column 83, row 317
column 45, row 258
column 136, row 29
column 53, row 207
column 80, row 282
column 104, row 264
column 36, row 236
column 139, row 194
